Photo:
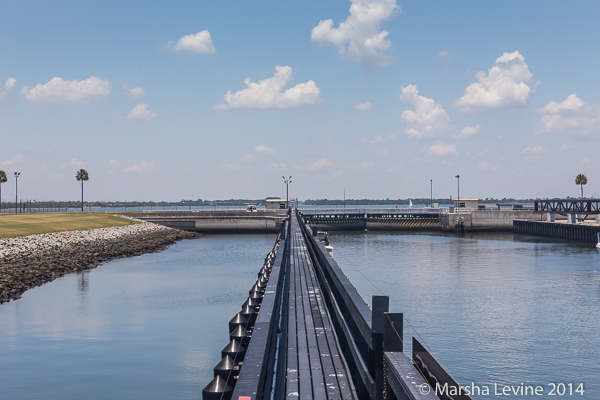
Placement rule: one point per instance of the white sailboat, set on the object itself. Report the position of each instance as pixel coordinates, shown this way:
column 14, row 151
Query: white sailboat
column 598, row 244
column 409, row 203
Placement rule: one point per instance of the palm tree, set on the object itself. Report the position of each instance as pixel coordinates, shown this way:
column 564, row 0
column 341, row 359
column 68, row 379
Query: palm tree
column 82, row 175
column 581, row 180
column 2, row 180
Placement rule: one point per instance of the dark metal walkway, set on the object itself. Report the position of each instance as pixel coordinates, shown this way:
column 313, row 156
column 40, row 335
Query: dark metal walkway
column 315, row 367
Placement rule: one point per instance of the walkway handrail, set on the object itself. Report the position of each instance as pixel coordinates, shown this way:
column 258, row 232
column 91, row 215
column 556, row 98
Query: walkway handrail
column 255, row 375
column 360, row 338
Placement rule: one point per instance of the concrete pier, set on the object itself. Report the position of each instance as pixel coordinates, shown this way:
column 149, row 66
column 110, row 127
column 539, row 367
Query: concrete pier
column 316, row 338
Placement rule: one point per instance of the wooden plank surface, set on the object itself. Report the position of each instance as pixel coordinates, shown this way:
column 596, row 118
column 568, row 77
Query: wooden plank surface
column 315, row 366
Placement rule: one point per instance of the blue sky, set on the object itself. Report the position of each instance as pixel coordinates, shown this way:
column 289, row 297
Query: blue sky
column 151, row 98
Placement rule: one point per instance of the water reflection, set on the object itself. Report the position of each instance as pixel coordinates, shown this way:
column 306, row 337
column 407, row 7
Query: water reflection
column 144, row 327
column 495, row 308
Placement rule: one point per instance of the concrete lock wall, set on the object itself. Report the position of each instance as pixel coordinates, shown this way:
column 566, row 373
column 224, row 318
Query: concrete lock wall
column 481, row 220
column 237, row 224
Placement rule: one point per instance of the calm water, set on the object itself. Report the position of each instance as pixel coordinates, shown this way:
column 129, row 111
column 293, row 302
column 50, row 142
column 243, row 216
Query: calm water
column 494, row 309
column 148, row 327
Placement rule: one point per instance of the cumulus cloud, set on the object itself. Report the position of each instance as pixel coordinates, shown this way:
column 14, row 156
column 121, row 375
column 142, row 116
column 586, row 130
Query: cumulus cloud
column 141, row 111
column 440, row 149
column 17, row 158
column 269, row 93
column 134, row 91
column 427, row 119
column 377, row 139
column 247, row 158
column 571, row 116
column 507, row 84
column 58, row 89
column 317, row 165
column 200, row 42
column 366, row 106
column 76, row 163
column 468, row 131
column 360, row 37
column 264, row 149
column 8, row 86
column 144, row 166
column 10, row 83
column 489, row 166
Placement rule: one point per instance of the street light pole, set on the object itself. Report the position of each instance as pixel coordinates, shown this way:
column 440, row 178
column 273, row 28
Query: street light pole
column 458, row 181
column 287, row 191
column 431, row 201
column 17, row 174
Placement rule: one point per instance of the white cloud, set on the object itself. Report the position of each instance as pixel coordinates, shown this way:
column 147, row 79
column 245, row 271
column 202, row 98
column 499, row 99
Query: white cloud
column 112, row 166
column 468, row 131
column 264, row 149
column 507, row 84
column 367, row 164
column 76, row 163
column 144, row 166
column 534, row 150
column 489, row 166
column 200, row 42
column 247, row 158
column 58, row 89
column 317, row 165
column 382, row 153
column 269, row 93
column 134, row 91
column 566, row 147
column 444, row 56
column 8, row 86
column 232, row 167
column 427, row 119
column 141, row 112
column 440, row 149
column 360, row 37
column 571, row 116
column 376, row 140
column 276, row 167
column 10, row 83
column 17, row 158
column 366, row 106
column 532, row 153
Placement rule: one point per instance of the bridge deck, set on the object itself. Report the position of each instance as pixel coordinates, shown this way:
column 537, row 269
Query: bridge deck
column 315, row 367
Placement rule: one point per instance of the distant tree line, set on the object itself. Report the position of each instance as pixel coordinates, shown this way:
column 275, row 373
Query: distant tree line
column 420, row 201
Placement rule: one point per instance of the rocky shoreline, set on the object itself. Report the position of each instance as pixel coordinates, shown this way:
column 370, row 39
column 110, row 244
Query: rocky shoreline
column 34, row 260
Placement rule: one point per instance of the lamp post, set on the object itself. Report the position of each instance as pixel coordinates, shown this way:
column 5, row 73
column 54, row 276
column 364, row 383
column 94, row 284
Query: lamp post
column 287, row 191
column 431, row 185
column 17, row 174
column 458, row 182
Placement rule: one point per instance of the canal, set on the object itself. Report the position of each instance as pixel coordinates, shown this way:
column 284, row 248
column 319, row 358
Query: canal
column 494, row 308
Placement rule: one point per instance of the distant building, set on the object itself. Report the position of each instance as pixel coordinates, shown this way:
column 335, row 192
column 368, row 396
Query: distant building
column 275, row 204
column 467, row 203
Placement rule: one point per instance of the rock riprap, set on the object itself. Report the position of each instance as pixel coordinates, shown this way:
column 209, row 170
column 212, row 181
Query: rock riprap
column 31, row 261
